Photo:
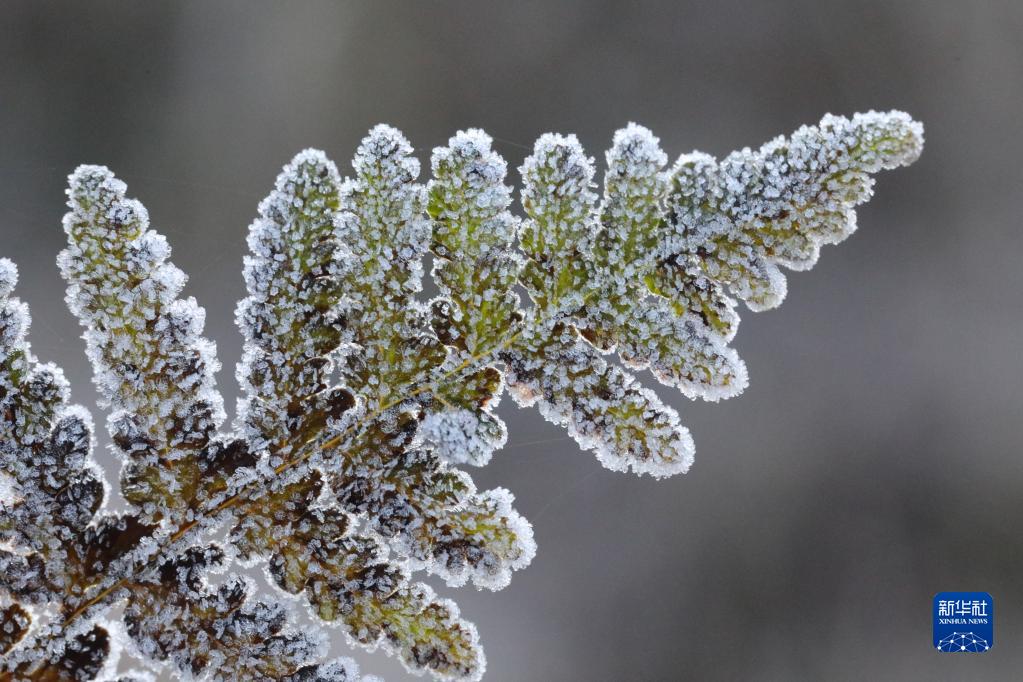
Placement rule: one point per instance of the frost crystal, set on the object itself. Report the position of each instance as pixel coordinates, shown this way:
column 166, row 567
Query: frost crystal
column 360, row 400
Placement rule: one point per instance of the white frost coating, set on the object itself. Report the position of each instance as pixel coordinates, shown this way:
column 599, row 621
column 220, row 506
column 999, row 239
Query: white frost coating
column 603, row 407
column 53, row 490
column 432, row 514
column 346, row 492
column 593, row 270
column 371, row 259
column 291, row 318
column 479, row 664
column 461, row 436
column 475, row 270
column 558, row 235
column 8, row 277
column 681, row 352
column 680, row 347
column 381, row 220
column 634, row 189
column 471, row 214
column 778, row 205
column 508, row 546
column 558, row 182
column 151, row 365
column 217, row 632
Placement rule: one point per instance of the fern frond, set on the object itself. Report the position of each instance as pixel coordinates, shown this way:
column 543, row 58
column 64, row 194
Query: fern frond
column 359, row 399
column 573, row 268
column 380, row 215
column 647, row 278
column 678, row 350
column 561, row 226
column 349, row 578
column 603, row 407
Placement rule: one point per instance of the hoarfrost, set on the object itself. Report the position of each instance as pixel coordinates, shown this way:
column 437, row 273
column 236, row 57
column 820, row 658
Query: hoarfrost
column 359, row 400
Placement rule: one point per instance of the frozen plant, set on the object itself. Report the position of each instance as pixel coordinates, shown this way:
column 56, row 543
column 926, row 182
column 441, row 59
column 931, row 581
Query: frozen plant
column 361, row 404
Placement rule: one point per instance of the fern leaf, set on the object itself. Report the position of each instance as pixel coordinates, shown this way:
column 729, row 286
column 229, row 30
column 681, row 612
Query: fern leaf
column 379, row 215
column 603, row 407
column 218, row 632
column 349, row 578
column 290, row 319
column 382, row 221
column 665, row 248
column 738, row 220
column 475, row 270
column 558, row 234
column 359, row 399
column 680, row 351
column 46, row 453
column 150, row 363
column 431, row 511
column 380, row 607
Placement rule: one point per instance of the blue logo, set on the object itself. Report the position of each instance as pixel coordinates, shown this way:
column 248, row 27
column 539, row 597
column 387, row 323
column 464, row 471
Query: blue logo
column 964, row 622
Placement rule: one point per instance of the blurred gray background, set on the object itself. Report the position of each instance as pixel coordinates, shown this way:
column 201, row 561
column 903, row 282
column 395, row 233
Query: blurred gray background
column 875, row 458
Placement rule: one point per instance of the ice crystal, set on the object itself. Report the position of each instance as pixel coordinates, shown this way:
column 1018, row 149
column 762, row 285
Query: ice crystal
column 360, row 400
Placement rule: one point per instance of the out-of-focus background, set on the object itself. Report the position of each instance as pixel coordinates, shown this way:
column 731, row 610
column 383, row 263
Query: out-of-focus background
column 875, row 458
